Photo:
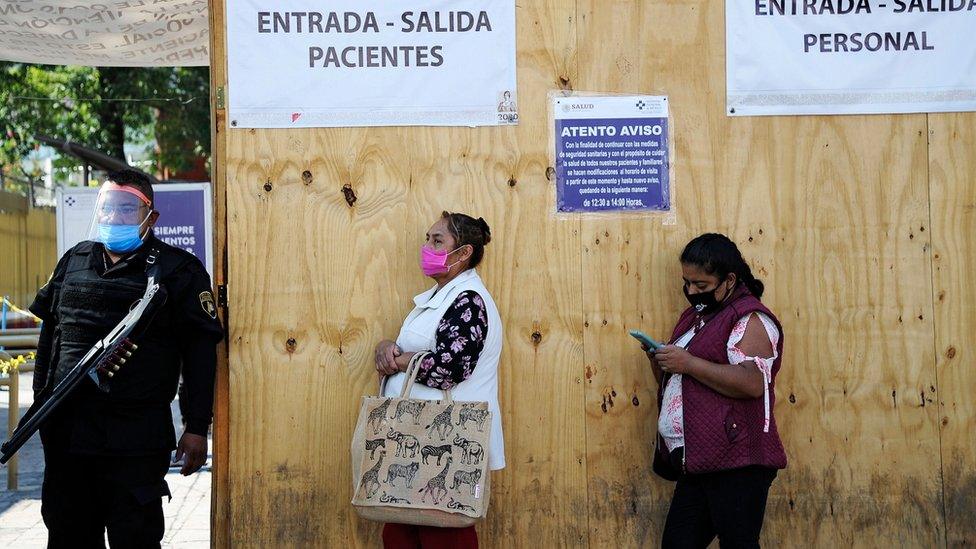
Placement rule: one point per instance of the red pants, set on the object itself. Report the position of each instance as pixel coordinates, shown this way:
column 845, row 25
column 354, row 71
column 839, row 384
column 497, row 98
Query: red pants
column 408, row 536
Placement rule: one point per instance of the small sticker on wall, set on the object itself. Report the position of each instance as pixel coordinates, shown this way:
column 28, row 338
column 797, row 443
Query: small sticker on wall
column 477, row 491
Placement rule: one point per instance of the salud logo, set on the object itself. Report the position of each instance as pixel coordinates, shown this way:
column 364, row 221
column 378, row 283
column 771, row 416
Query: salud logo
column 574, row 107
column 295, row 116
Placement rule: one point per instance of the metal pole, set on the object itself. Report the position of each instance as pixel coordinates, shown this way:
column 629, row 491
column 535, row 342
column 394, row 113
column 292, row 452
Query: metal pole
column 3, row 316
column 13, row 417
column 87, row 174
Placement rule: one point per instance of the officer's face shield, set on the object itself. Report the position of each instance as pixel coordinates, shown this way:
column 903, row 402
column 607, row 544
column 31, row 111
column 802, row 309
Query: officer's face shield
column 119, row 206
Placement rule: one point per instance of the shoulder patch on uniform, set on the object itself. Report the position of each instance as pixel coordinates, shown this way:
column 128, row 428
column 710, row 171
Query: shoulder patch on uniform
column 207, row 304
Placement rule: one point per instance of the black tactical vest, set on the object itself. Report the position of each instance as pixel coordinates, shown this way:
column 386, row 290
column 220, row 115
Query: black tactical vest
column 90, row 305
column 133, row 417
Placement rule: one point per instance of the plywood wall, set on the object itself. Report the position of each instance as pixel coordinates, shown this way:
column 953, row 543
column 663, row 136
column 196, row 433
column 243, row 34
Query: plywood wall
column 952, row 183
column 28, row 252
column 860, row 225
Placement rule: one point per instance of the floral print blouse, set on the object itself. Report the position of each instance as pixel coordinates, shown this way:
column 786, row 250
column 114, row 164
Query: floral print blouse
column 460, row 338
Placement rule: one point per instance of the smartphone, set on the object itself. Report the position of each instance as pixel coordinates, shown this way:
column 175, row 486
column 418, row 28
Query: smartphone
column 645, row 339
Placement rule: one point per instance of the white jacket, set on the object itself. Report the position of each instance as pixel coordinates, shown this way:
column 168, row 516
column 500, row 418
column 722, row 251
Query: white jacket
column 419, row 333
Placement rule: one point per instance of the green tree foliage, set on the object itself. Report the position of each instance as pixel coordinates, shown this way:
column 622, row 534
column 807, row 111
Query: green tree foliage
column 104, row 108
column 182, row 126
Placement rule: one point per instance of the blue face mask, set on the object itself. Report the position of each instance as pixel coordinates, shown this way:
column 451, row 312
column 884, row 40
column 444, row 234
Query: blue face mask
column 120, row 239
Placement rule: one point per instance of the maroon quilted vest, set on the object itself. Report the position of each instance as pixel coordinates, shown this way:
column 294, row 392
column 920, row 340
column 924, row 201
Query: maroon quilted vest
column 721, row 432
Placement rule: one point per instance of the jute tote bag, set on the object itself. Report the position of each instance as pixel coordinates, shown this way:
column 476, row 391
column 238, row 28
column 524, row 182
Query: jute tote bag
column 421, row 462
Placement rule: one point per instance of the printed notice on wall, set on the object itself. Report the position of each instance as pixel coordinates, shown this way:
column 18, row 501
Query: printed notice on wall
column 307, row 63
column 850, row 56
column 612, row 154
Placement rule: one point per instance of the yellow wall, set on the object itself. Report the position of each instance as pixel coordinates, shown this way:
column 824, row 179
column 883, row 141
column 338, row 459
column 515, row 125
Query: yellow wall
column 28, row 252
column 861, row 227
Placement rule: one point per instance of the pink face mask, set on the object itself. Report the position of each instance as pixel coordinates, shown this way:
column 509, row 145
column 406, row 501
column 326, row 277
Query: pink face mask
column 435, row 263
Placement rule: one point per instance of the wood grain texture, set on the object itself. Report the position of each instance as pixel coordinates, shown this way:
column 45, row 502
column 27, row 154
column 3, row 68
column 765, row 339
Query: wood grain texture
column 824, row 209
column 533, row 269
column 220, row 504
column 13, row 233
column 851, row 282
column 629, row 276
column 306, row 264
column 28, row 252
column 952, row 169
column 859, row 225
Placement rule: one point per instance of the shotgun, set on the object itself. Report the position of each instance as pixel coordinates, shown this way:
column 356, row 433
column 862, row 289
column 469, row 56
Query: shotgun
column 105, row 358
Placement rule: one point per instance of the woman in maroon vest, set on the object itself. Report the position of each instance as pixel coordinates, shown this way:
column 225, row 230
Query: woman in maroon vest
column 716, row 432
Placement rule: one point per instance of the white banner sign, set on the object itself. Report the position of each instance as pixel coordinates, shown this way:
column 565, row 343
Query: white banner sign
column 133, row 33
column 371, row 63
column 850, row 56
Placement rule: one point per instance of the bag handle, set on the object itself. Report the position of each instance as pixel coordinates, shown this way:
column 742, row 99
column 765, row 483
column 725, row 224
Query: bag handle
column 411, row 374
column 413, row 368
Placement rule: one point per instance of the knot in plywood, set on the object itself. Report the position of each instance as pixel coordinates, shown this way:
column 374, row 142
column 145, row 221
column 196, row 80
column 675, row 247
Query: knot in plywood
column 349, row 194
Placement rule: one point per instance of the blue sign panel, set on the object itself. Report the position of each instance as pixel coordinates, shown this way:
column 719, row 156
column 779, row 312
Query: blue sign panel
column 612, row 154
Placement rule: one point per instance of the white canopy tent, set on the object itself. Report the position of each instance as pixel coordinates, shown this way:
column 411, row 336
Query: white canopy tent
column 110, row 33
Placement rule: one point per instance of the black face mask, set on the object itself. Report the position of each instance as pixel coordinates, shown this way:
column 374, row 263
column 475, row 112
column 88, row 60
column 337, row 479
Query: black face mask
column 705, row 302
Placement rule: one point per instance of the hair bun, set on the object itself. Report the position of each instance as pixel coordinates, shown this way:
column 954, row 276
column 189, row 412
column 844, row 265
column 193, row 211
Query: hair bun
column 483, row 225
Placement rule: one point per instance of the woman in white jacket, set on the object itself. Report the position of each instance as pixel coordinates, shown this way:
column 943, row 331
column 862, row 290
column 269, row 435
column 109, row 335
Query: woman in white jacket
column 457, row 320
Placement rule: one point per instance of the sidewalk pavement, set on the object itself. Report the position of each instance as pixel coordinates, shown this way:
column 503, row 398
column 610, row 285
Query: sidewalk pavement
column 187, row 515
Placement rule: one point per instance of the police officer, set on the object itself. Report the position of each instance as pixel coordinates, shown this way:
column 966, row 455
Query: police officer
column 106, row 453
